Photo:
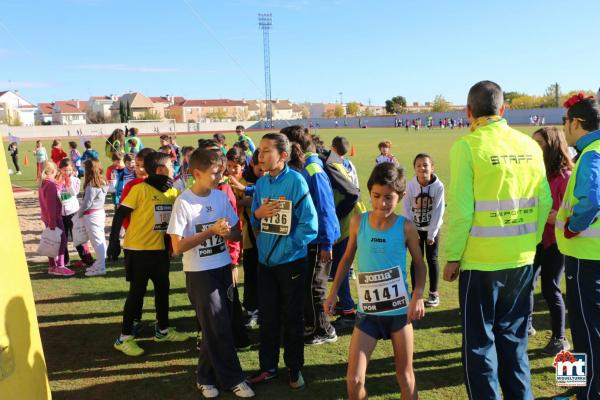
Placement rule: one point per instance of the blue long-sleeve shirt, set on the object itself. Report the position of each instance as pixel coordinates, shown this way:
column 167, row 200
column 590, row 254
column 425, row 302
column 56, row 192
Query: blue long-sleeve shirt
column 587, row 187
column 281, row 249
column 322, row 197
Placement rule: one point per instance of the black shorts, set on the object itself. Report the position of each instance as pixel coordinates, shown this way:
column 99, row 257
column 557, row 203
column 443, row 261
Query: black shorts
column 380, row 327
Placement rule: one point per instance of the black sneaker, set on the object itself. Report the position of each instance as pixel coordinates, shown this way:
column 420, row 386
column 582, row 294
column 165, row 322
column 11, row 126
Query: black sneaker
column 556, row 345
column 314, row 340
column 433, row 300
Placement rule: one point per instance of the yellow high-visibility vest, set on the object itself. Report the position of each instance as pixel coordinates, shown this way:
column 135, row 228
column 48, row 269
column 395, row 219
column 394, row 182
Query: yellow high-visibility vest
column 586, row 245
column 508, row 175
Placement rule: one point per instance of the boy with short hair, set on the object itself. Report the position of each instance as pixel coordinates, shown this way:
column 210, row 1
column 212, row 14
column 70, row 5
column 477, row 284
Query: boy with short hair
column 89, row 153
column 201, row 222
column 385, row 148
column 146, row 254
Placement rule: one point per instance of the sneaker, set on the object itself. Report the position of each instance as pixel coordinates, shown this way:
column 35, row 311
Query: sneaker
column 244, row 346
column 61, row 271
column 556, row 345
column 252, row 320
column 170, row 336
column 298, row 383
column 332, row 337
column 208, row 391
column 243, row 390
column 314, row 340
column 129, row 347
column 95, row 271
column 531, row 331
column 137, row 327
column 19, row 172
column 79, row 264
column 433, row 300
column 262, row 376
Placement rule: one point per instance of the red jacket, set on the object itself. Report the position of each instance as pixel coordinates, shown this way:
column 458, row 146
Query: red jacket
column 57, row 154
column 234, row 247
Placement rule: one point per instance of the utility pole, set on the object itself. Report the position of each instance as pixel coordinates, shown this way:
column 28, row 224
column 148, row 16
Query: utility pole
column 556, row 94
column 265, row 23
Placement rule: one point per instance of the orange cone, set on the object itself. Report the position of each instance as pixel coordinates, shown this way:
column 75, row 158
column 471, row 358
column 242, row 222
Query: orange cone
column 26, row 160
column 352, row 151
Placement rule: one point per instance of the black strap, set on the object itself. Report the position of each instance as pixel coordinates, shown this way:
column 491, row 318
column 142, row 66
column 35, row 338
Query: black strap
column 250, row 229
column 279, row 237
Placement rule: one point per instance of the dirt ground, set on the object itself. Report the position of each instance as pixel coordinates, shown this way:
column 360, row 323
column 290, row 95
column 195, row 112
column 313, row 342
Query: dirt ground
column 28, row 210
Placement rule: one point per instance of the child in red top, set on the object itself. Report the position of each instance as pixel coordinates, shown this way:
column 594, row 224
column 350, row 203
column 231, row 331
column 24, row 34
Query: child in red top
column 51, row 214
column 57, row 152
column 549, row 262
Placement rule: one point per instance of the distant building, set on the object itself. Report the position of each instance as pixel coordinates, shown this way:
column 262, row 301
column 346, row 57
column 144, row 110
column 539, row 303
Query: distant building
column 15, row 108
column 140, row 105
column 210, row 110
column 69, row 112
column 162, row 104
column 43, row 113
column 99, row 107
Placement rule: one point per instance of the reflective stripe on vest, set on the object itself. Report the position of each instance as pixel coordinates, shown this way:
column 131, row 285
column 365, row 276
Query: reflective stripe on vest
column 505, row 205
column 499, row 231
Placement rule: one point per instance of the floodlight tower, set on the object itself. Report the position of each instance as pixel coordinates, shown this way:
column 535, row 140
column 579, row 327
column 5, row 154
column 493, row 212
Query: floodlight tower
column 265, row 23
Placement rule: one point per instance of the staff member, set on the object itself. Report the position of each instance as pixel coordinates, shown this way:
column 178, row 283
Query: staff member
column 499, row 200
column 577, row 231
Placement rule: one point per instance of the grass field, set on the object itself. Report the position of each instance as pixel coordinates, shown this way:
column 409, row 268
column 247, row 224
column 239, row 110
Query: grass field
column 80, row 318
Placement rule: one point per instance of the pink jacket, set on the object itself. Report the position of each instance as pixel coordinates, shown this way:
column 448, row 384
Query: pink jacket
column 558, row 186
column 50, row 206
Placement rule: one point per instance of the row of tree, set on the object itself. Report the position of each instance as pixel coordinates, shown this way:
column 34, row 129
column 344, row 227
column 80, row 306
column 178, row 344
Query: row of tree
column 552, row 97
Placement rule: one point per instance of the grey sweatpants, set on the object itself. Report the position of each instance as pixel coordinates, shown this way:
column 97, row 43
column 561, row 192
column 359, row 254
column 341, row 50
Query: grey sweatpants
column 210, row 294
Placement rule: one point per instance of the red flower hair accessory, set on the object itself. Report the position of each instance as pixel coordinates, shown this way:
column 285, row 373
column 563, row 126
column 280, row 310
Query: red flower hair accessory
column 576, row 98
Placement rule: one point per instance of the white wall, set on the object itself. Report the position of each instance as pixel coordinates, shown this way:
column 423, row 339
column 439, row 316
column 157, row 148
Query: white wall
column 51, row 131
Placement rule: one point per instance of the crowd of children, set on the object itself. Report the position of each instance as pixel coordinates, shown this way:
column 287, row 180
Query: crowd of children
column 288, row 211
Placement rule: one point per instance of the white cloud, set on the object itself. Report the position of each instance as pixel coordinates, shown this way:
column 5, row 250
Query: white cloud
column 24, row 85
column 126, row 68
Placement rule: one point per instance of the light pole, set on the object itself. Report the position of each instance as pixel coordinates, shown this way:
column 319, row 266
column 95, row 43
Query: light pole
column 265, row 23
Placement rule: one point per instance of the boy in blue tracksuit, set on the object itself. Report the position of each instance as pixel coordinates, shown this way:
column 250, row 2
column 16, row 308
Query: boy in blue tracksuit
column 285, row 220
column 317, row 327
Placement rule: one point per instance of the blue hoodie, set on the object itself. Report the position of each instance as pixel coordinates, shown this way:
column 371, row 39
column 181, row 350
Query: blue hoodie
column 322, row 197
column 278, row 249
column 587, row 186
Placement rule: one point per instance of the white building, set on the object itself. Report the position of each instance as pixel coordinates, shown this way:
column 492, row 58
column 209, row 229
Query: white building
column 71, row 112
column 15, row 109
column 43, row 114
column 100, row 106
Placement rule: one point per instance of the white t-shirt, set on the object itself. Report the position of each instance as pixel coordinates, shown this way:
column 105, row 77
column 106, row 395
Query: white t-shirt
column 192, row 214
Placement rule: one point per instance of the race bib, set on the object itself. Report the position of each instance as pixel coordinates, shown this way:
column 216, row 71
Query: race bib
column 281, row 222
column 382, row 291
column 211, row 246
column 162, row 215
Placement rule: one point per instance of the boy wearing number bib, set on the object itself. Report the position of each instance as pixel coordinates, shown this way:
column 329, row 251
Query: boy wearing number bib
column 202, row 223
column 146, row 252
column 385, row 308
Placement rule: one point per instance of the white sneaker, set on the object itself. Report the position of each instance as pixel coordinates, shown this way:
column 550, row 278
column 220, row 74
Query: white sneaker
column 19, row 173
column 243, row 390
column 208, row 391
column 95, row 271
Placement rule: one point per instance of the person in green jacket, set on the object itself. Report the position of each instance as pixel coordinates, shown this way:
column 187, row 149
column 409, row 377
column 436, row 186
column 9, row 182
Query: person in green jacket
column 498, row 203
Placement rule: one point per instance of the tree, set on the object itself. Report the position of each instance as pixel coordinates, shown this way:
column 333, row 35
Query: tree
column 352, row 108
column 338, row 111
column 396, row 105
column 552, row 95
column 305, row 112
column 122, row 114
column 219, row 114
column 440, row 104
column 14, row 119
column 510, row 96
column 129, row 113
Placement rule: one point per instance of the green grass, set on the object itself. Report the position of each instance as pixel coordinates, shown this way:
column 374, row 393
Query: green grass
column 80, row 318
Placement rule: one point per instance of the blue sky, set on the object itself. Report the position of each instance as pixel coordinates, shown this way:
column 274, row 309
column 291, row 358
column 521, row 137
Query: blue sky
column 369, row 49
